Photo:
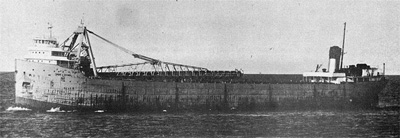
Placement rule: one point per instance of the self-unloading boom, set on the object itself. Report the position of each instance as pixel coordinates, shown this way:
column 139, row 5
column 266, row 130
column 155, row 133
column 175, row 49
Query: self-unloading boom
column 151, row 60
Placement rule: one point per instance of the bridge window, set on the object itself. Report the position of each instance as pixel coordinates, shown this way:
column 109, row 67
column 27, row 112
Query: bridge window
column 56, row 53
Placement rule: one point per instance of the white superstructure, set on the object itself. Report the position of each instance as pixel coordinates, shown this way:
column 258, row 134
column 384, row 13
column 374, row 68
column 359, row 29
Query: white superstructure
column 45, row 50
column 48, row 73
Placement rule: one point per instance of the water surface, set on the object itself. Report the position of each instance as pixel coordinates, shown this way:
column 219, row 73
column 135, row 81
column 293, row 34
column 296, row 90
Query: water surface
column 376, row 123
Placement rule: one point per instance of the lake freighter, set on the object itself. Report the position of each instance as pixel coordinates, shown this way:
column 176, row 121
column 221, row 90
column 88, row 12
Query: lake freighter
column 65, row 75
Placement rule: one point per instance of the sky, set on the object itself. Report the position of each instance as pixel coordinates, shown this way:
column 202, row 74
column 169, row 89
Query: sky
column 268, row 37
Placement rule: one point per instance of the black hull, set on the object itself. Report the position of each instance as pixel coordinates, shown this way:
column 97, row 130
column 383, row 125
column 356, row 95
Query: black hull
column 171, row 96
column 41, row 106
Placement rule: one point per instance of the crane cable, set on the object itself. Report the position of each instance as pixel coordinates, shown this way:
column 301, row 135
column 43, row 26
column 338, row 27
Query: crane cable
column 153, row 61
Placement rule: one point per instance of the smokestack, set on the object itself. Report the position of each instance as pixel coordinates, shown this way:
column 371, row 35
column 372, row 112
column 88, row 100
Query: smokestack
column 334, row 58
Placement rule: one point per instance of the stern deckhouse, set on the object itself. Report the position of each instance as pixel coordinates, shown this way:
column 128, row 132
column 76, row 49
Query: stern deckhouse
column 337, row 74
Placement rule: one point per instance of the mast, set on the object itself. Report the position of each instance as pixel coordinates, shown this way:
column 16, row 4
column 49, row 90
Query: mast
column 50, row 27
column 344, row 36
column 81, row 30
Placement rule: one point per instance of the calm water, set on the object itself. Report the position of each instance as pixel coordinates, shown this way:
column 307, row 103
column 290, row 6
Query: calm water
column 268, row 124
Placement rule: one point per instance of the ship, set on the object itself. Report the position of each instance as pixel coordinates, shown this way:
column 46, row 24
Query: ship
column 65, row 76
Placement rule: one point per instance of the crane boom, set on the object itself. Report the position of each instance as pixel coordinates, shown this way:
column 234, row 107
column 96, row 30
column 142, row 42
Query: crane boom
column 149, row 59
